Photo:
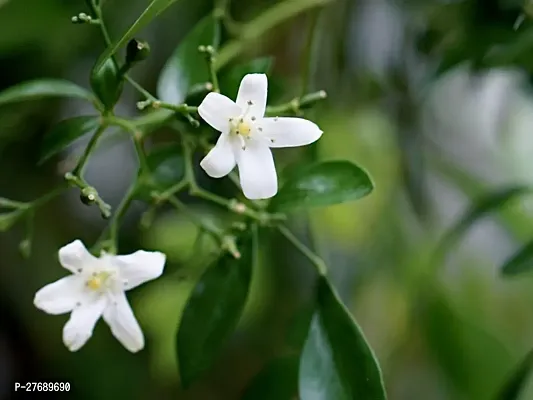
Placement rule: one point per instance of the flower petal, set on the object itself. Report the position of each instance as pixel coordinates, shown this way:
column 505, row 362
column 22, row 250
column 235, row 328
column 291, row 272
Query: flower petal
column 140, row 267
column 217, row 109
column 80, row 326
column 61, row 296
column 257, row 171
column 119, row 316
column 254, row 89
column 290, row 132
column 74, row 256
column 220, row 160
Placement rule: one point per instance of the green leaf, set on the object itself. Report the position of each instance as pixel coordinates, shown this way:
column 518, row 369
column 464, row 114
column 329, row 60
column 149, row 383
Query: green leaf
column 38, row 89
column 213, row 311
column 323, row 184
column 187, row 66
column 66, row 132
column 153, row 10
column 167, row 168
column 468, row 344
column 277, row 380
column 107, row 83
column 518, row 379
column 230, row 81
column 337, row 362
column 478, row 210
column 520, row 262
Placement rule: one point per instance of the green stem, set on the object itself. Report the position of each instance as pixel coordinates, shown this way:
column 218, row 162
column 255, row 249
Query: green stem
column 118, row 215
column 315, row 260
column 307, row 54
column 89, row 193
column 212, row 70
column 137, row 86
column 137, row 139
column 171, row 191
column 179, row 108
column 97, row 10
column 260, row 25
column 221, row 12
column 78, row 170
column 48, row 196
column 297, row 104
column 214, row 232
column 11, row 204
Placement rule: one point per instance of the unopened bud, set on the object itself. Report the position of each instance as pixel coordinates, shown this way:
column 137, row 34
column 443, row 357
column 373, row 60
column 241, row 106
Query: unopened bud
column 229, row 244
column 25, row 248
column 137, row 51
column 88, row 196
column 147, row 219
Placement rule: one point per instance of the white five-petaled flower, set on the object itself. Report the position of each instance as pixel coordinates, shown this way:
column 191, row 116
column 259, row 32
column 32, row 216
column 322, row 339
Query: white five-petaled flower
column 96, row 288
column 246, row 136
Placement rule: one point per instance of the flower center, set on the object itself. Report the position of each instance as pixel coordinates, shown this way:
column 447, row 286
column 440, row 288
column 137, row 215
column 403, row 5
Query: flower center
column 97, row 280
column 240, row 126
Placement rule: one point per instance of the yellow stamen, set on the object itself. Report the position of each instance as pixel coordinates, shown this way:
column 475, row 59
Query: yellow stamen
column 97, row 280
column 244, row 129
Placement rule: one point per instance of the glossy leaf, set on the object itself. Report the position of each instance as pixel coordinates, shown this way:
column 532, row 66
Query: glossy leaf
column 167, row 168
column 41, row 88
column 213, row 311
column 230, row 80
column 187, row 66
column 520, row 262
column 337, row 362
column 478, row 210
column 153, row 10
column 65, row 133
column 277, row 380
column 517, row 381
column 107, row 83
column 323, row 184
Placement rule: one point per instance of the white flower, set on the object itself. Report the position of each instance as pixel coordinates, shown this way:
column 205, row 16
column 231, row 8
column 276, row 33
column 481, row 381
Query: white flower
column 96, row 288
column 246, row 136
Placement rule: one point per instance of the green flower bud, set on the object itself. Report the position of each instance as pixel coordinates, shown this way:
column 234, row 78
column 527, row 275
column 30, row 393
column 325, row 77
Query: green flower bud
column 107, row 83
column 25, row 248
column 88, row 196
column 137, row 51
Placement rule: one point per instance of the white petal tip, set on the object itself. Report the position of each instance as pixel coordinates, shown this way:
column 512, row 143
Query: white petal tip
column 211, row 169
column 256, row 75
column 260, row 196
column 76, row 343
column 135, row 349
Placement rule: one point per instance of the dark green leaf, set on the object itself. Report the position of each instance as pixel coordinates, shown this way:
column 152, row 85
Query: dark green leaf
column 107, row 83
column 323, row 184
column 187, row 66
column 337, row 362
column 66, row 132
column 518, row 379
column 213, row 311
column 230, row 81
column 167, row 168
column 460, row 345
column 479, row 209
column 520, row 262
column 153, row 10
column 40, row 88
column 278, row 380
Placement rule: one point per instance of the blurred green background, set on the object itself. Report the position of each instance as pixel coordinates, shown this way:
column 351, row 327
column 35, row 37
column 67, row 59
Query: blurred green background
column 432, row 97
